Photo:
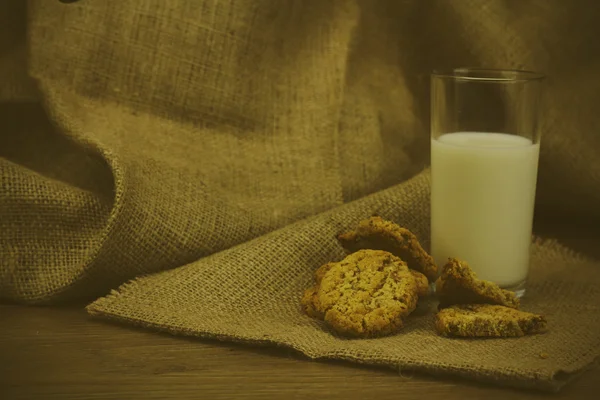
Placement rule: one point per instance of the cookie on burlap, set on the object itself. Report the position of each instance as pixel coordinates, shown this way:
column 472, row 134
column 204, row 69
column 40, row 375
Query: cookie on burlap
column 367, row 294
column 309, row 302
column 321, row 271
column 486, row 320
column 309, row 298
column 458, row 284
column 377, row 233
column 422, row 283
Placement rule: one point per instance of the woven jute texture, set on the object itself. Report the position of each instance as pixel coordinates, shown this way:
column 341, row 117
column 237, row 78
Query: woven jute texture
column 251, row 293
column 214, row 149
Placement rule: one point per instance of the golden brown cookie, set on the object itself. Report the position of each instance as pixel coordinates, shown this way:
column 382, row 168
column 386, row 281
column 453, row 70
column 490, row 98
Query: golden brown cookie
column 367, row 294
column 377, row 233
column 458, row 284
column 309, row 298
column 422, row 283
column 321, row 271
column 308, row 302
column 485, row 320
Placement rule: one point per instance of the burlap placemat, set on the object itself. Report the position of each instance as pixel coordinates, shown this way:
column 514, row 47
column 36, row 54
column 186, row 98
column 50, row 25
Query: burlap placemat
column 251, row 293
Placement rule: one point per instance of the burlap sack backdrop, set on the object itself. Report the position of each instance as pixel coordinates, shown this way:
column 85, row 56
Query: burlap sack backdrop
column 195, row 137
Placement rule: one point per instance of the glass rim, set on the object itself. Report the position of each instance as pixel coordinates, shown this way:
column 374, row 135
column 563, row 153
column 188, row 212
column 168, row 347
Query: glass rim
column 468, row 74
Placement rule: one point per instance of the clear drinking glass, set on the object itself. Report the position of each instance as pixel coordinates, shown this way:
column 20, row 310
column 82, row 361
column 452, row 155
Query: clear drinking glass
column 485, row 141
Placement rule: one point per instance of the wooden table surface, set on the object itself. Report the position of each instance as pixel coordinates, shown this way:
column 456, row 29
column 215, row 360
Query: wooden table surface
column 62, row 353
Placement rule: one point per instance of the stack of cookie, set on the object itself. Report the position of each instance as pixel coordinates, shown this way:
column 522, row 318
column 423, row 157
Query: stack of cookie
column 375, row 288
column 372, row 290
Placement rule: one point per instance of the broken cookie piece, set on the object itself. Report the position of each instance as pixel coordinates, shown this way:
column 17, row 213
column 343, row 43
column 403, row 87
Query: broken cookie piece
column 458, row 284
column 485, row 320
column 377, row 233
column 367, row 294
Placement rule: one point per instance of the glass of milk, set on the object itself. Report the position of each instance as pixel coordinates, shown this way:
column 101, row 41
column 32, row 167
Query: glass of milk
column 485, row 143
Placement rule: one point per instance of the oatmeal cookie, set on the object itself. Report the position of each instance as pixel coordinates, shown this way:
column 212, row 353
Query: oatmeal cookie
column 309, row 298
column 422, row 283
column 309, row 302
column 377, row 233
column 321, row 271
column 458, row 284
column 485, row 320
column 367, row 294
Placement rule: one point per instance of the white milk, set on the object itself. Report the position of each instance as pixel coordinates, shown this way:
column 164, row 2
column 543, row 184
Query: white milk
column 482, row 200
